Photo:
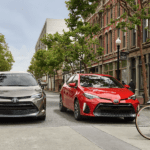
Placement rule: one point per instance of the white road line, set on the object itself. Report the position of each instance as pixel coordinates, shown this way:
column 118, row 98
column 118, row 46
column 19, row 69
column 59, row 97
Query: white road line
column 52, row 95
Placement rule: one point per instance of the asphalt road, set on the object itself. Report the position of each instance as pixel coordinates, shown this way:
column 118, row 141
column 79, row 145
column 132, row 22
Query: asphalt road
column 60, row 131
column 55, row 118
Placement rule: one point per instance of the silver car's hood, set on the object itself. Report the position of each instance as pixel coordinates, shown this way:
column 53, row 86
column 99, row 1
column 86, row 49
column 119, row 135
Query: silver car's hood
column 19, row 91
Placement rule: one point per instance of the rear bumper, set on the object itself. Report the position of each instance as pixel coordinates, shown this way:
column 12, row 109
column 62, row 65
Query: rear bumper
column 113, row 110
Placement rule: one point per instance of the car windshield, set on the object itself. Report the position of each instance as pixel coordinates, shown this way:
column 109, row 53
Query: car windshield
column 98, row 81
column 20, row 79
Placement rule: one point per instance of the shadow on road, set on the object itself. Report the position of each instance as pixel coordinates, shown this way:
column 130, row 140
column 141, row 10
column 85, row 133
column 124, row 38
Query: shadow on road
column 19, row 121
column 69, row 115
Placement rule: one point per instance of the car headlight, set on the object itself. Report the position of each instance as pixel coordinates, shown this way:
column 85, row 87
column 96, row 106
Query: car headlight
column 132, row 97
column 39, row 95
column 90, row 96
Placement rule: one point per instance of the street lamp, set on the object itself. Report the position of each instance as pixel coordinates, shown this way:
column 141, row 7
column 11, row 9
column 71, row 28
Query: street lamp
column 80, row 66
column 118, row 42
column 54, row 79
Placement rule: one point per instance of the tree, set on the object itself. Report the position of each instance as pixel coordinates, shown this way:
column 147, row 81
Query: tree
column 134, row 15
column 6, row 58
column 55, row 52
column 62, row 48
column 79, row 9
column 82, row 31
column 35, row 69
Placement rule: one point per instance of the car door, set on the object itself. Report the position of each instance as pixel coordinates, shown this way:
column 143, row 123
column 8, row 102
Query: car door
column 67, row 92
column 72, row 92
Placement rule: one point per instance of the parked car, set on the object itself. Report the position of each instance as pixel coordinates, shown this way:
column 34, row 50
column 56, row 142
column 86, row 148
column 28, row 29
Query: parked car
column 98, row 95
column 21, row 96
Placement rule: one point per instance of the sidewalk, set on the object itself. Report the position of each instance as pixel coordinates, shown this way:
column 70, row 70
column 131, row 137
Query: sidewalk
column 73, row 138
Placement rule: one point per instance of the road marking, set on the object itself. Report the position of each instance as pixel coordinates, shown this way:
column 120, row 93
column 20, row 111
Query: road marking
column 52, row 95
column 102, row 139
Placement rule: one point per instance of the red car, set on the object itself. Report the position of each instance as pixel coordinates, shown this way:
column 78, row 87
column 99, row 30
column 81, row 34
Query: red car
column 98, row 95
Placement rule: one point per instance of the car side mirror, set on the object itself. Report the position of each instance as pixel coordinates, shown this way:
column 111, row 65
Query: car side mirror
column 127, row 86
column 43, row 84
column 72, row 84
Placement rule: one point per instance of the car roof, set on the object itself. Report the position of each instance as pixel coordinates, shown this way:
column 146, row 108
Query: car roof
column 93, row 74
column 8, row 72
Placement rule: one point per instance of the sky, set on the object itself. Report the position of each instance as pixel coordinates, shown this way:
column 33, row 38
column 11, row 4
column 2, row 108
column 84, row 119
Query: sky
column 21, row 22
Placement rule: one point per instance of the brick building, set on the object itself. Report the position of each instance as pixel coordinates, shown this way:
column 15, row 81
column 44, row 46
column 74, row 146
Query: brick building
column 131, row 67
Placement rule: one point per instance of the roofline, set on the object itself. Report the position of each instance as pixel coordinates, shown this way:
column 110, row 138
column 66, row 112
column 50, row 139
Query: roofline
column 7, row 72
column 93, row 74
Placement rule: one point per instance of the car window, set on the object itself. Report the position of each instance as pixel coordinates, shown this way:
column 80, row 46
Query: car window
column 70, row 79
column 17, row 79
column 75, row 79
column 99, row 82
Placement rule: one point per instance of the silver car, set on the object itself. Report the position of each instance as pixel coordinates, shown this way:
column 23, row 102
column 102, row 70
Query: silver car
column 21, row 96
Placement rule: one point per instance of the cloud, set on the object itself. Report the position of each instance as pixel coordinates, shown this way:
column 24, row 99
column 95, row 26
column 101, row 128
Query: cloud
column 22, row 57
column 22, row 22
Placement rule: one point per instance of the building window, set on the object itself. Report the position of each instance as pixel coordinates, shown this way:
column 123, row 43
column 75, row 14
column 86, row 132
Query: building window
column 100, row 20
column 123, row 10
column 108, row 69
column 133, row 37
column 107, row 17
column 106, row 43
column 111, row 12
column 100, row 41
column 145, row 31
column 110, row 41
column 118, row 9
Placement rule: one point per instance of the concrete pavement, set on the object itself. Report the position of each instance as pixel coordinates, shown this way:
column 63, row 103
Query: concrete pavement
column 61, row 131
column 73, row 138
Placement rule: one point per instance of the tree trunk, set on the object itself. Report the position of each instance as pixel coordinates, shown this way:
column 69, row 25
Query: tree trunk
column 85, row 67
column 51, row 81
column 72, row 69
column 57, row 80
column 140, row 34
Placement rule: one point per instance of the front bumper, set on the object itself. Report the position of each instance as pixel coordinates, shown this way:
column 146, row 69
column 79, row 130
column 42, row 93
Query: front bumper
column 29, row 107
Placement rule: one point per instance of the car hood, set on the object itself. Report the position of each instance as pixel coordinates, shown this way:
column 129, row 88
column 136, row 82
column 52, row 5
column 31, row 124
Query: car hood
column 17, row 91
column 109, row 93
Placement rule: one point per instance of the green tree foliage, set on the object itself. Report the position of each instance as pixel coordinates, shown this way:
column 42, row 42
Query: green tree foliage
column 78, row 9
column 60, row 51
column 83, row 32
column 38, row 65
column 6, row 58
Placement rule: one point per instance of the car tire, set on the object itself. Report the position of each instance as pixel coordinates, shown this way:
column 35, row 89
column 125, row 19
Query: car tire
column 129, row 118
column 42, row 118
column 61, row 106
column 77, row 114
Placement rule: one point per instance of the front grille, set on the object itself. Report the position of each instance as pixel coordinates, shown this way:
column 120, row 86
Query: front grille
column 113, row 110
column 21, row 108
column 23, row 97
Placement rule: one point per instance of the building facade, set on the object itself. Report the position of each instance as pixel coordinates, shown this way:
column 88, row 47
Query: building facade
column 131, row 68
column 51, row 26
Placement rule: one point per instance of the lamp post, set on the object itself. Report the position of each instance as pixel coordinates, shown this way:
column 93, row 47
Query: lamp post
column 54, row 79
column 80, row 65
column 118, row 42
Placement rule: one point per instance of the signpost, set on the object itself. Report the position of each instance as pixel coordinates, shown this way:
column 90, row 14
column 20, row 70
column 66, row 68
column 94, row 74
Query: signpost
column 123, row 55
